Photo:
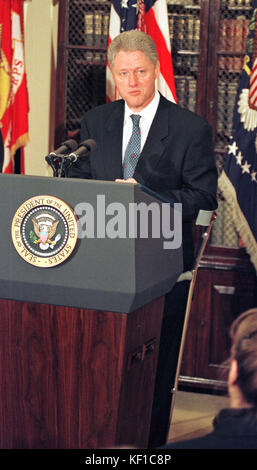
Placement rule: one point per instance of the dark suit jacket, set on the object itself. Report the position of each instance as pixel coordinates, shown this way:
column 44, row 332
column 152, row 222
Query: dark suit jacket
column 233, row 429
column 177, row 160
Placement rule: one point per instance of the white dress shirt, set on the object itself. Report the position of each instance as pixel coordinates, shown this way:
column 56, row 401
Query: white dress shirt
column 147, row 114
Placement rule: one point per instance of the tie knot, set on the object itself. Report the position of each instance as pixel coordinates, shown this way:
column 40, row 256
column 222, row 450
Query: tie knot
column 135, row 119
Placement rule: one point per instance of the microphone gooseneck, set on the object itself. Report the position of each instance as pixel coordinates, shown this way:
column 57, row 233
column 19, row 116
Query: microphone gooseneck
column 64, row 156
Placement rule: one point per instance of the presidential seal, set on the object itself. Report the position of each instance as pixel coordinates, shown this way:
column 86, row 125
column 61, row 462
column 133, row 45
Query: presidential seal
column 44, row 231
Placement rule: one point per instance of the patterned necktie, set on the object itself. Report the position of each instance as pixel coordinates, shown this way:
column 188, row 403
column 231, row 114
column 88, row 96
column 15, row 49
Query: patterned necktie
column 132, row 152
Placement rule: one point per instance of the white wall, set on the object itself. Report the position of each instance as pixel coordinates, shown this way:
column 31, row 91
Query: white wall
column 41, row 26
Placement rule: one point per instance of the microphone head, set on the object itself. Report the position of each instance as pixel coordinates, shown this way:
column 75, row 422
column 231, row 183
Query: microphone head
column 70, row 144
column 84, row 149
column 67, row 146
column 90, row 144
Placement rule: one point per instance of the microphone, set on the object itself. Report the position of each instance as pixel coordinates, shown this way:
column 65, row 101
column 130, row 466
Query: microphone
column 84, row 149
column 65, row 148
column 59, row 160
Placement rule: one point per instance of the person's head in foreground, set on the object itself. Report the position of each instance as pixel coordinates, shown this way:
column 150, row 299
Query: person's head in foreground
column 235, row 427
column 242, row 379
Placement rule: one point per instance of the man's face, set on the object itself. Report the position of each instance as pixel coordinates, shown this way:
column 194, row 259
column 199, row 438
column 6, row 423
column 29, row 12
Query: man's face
column 134, row 75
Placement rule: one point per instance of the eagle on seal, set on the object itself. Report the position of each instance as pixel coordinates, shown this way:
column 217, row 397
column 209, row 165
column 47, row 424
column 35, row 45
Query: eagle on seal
column 45, row 231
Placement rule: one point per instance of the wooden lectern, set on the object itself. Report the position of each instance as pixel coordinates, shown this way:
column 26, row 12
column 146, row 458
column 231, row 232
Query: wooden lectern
column 79, row 340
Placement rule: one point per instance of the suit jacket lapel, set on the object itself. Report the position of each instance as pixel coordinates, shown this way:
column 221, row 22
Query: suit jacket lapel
column 155, row 143
column 112, row 145
column 153, row 149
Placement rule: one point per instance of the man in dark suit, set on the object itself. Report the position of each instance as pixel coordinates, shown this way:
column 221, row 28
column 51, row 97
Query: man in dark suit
column 176, row 161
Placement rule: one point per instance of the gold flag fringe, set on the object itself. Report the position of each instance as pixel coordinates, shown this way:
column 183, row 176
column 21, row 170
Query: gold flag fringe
column 20, row 142
column 238, row 217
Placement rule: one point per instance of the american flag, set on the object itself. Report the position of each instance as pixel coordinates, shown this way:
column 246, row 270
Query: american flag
column 238, row 181
column 150, row 16
column 253, row 77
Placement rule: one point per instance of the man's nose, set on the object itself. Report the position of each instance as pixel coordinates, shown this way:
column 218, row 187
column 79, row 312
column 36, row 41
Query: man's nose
column 132, row 78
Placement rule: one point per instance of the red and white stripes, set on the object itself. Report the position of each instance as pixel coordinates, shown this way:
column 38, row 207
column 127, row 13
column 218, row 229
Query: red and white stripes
column 253, row 87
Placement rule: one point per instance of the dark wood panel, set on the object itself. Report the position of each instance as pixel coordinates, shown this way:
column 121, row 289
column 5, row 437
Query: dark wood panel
column 27, row 371
column 90, row 348
column 223, row 300
column 220, row 296
column 73, row 378
column 59, row 374
column 141, row 355
column 212, row 65
column 61, row 76
column 203, row 56
column 231, row 294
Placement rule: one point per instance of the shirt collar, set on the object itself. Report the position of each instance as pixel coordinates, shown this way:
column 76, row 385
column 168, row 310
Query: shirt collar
column 148, row 111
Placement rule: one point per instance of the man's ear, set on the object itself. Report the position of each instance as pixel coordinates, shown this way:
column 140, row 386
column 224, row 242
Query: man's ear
column 233, row 372
column 157, row 69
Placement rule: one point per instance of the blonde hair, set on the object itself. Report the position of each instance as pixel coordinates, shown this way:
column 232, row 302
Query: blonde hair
column 133, row 40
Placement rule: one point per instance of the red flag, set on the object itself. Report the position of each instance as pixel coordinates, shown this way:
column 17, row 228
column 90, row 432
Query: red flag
column 14, row 105
column 150, row 16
